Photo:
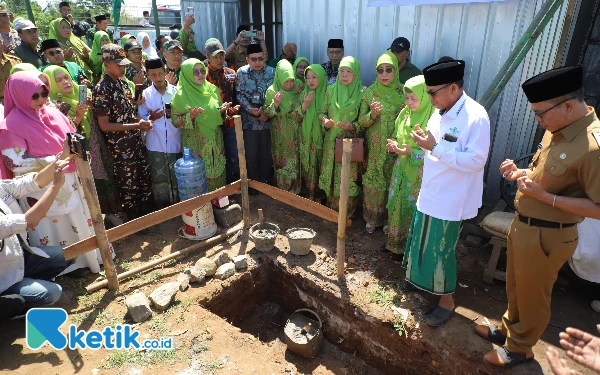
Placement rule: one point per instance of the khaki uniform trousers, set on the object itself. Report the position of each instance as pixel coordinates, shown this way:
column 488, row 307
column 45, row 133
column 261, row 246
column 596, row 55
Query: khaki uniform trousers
column 534, row 257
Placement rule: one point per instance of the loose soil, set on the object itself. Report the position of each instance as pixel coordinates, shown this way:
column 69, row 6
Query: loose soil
column 372, row 325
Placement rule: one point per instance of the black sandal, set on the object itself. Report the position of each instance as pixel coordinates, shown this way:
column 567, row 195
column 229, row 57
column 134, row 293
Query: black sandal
column 494, row 336
column 509, row 358
column 438, row 316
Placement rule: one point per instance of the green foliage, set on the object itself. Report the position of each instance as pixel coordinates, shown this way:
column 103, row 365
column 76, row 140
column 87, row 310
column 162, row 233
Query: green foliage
column 382, row 297
column 400, row 324
column 44, row 15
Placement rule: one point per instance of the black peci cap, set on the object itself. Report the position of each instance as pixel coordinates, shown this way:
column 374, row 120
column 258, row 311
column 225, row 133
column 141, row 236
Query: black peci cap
column 553, row 83
column 335, row 43
column 64, row 4
column 101, row 17
column 50, row 43
column 154, row 64
column 444, row 72
column 254, row 48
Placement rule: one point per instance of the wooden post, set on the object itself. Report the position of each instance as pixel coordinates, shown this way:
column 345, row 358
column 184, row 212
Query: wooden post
column 261, row 218
column 239, row 135
column 89, row 191
column 343, row 211
column 204, row 244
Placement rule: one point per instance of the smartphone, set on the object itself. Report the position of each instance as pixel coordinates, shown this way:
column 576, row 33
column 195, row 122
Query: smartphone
column 138, row 91
column 190, row 11
column 82, row 94
column 450, row 138
column 168, row 110
column 250, row 34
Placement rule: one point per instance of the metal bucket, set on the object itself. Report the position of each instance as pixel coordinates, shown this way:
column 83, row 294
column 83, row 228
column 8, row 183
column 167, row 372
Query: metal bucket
column 199, row 224
column 264, row 237
column 300, row 240
column 304, row 333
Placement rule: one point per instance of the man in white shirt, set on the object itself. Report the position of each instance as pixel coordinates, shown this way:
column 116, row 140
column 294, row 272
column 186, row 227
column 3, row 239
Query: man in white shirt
column 163, row 141
column 25, row 275
column 146, row 20
column 457, row 144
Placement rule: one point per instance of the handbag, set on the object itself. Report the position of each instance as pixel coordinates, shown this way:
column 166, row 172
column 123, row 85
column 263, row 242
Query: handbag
column 358, row 149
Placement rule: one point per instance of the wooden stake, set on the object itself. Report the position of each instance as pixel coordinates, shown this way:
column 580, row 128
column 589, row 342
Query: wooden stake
column 344, row 183
column 209, row 242
column 91, row 196
column 297, row 201
column 261, row 218
column 149, row 220
column 239, row 135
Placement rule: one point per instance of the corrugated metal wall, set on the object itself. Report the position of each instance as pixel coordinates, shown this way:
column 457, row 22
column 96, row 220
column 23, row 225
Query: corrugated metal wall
column 482, row 34
column 214, row 19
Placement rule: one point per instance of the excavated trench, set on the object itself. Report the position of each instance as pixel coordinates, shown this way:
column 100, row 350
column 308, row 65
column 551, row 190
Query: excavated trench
column 270, row 287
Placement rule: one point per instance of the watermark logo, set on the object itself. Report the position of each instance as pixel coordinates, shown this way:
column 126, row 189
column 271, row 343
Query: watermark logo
column 43, row 325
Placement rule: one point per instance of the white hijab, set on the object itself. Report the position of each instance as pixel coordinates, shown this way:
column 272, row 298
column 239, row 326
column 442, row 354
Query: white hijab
column 150, row 51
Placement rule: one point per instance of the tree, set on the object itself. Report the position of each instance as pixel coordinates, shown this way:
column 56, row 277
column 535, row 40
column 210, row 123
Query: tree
column 43, row 16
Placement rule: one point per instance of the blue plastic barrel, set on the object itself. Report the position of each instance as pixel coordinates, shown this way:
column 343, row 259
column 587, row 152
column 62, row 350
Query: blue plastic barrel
column 191, row 176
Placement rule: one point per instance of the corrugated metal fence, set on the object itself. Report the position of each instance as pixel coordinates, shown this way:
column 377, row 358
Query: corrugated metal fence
column 214, row 19
column 482, row 34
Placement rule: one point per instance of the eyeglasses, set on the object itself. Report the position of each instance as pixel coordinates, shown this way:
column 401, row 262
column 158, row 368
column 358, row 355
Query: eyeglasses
column 388, row 70
column 200, row 72
column 335, row 52
column 432, row 93
column 55, row 52
column 255, row 59
column 44, row 94
column 541, row 114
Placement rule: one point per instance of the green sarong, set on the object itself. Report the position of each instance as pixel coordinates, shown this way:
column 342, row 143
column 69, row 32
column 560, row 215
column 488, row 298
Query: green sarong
column 430, row 258
column 164, row 181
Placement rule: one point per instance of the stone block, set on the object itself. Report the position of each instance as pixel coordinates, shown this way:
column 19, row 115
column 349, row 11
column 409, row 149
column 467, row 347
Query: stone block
column 208, row 264
column 162, row 296
column 225, row 271
column 240, row 262
column 138, row 307
column 228, row 216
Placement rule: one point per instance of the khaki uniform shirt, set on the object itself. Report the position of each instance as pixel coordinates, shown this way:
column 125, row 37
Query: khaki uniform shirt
column 6, row 64
column 567, row 163
column 237, row 58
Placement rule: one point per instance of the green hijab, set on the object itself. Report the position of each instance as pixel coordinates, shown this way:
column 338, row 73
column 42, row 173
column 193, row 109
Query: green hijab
column 296, row 63
column 22, row 67
column 77, row 44
column 345, row 98
column 407, row 120
column 389, row 93
column 72, row 98
column 283, row 73
column 191, row 94
column 125, row 39
column 96, row 53
column 311, row 126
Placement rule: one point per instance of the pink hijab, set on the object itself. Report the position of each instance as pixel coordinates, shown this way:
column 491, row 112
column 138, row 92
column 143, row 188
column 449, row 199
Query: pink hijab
column 41, row 133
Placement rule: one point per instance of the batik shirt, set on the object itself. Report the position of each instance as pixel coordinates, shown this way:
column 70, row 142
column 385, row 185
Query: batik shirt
column 112, row 98
column 130, row 72
column 331, row 72
column 11, row 38
column 227, row 86
column 250, row 84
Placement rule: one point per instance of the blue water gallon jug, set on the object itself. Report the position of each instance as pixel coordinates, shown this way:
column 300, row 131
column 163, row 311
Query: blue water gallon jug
column 191, row 176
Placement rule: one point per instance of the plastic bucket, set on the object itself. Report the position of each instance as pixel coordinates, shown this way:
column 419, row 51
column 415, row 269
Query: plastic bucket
column 199, row 224
column 264, row 237
column 300, row 240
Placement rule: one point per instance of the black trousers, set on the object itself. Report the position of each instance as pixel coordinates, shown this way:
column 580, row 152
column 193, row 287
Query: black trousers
column 259, row 160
